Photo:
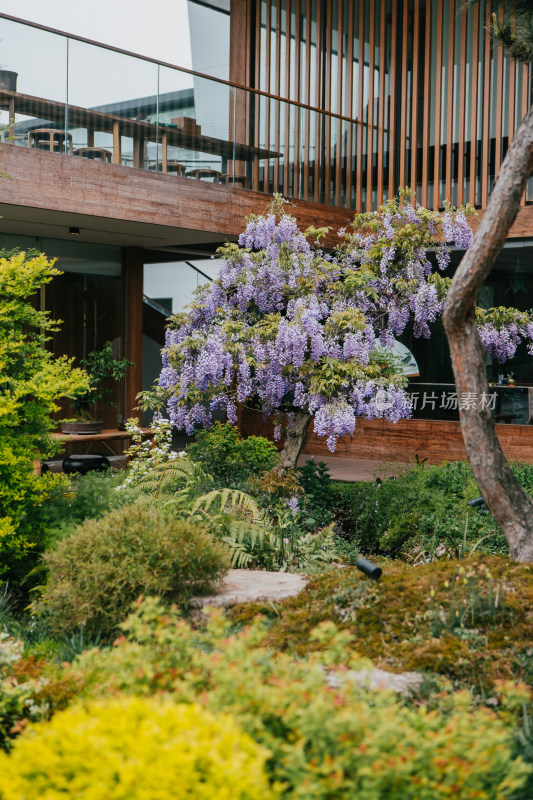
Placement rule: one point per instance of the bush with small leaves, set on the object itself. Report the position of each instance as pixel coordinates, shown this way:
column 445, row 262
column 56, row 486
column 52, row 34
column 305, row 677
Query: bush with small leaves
column 230, row 459
column 329, row 735
column 140, row 749
column 96, row 573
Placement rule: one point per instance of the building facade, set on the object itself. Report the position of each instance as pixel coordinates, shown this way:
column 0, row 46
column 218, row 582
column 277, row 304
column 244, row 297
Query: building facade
column 131, row 171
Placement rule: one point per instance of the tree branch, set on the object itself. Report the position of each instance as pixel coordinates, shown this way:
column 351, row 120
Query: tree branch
column 511, row 507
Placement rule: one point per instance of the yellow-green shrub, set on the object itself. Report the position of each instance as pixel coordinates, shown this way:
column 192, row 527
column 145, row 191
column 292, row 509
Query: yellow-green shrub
column 326, row 743
column 96, row 573
column 136, row 749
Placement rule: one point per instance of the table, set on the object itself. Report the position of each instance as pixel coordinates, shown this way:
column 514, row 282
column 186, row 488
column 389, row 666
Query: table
column 86, row 441
column 140, row 131
column 95, row 153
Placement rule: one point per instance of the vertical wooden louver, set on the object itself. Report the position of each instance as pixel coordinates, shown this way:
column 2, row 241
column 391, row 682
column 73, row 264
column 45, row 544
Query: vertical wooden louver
column 359, row 98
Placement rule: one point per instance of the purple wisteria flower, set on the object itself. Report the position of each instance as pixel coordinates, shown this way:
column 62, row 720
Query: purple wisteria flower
column 298, row 330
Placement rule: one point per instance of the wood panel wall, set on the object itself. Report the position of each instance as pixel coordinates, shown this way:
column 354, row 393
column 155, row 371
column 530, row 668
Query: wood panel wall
column 435, row 440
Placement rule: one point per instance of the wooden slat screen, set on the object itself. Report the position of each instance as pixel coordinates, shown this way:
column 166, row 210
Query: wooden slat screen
column 391, row 93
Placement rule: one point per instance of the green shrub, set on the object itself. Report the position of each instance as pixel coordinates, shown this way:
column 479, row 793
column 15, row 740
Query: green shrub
column 329, row 739
column 317, row 501
column 420, row 507
column 32, row 380
column 97, row 572
column 138, row 749
column 81, row 497
column 230, row 459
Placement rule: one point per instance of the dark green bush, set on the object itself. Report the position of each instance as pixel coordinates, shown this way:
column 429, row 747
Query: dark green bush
column 421, row 507
column 318, row 495
column 96, row 573
column 90, row 496
column 229, row 458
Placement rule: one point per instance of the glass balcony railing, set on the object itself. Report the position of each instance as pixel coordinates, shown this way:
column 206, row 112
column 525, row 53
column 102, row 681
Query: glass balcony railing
column 66, row 95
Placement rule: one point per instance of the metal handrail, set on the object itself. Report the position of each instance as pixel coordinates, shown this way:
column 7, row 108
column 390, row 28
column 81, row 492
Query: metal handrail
column 232, row 84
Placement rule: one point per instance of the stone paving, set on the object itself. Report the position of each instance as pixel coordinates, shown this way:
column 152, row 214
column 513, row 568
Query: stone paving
column 253, row 586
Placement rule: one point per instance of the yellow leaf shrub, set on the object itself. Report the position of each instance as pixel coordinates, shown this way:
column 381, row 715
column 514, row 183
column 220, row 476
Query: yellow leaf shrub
column 326, row 742
column 135, row 749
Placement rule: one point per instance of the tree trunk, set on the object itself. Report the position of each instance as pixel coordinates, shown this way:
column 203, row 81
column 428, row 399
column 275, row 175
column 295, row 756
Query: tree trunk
column 294, row 441
column 509, row 504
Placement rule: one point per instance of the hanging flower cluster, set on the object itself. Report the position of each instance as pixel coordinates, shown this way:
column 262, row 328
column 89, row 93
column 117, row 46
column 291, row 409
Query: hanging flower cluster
column 289, row 327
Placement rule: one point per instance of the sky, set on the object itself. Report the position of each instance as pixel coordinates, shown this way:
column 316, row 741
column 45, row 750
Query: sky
column 158, row 29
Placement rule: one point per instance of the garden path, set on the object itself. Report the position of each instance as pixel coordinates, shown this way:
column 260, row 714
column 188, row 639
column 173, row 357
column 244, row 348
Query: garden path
column 252, row 586
column 351, row 469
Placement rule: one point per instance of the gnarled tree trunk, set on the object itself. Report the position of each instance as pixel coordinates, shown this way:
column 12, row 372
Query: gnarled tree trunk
column 294, row 441
column 510, row 506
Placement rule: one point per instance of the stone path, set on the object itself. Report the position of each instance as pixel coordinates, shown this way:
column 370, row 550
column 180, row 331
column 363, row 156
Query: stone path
column 253, row 586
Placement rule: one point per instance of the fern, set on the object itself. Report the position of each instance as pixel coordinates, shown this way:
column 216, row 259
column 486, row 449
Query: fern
column 230, row 501
column 176, row 476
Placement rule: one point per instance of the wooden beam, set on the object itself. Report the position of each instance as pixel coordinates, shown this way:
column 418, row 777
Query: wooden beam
column 381, row 101
column 414, row 99
column 132, row 283
column 438, row 108
column 462, row 112
column 485, row 153
column 361, row 128
column 449, row 104
column 474, row 107
column 370, row 129
column 425, row 112
column 403, row 108
column 392, row 118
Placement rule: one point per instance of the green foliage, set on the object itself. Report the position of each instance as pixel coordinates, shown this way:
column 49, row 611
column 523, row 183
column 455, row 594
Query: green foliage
column 475, row 599
column 97, row 572
column 513, row 28
column 317, row 500
column 137, row 748
column 328, row 736
column 230, row 459
column 70, row 501
column 419, row 512
column 29, row 689
column 31, row 381
column 101, row 367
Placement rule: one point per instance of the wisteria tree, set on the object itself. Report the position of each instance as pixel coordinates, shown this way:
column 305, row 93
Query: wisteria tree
column 302, row 334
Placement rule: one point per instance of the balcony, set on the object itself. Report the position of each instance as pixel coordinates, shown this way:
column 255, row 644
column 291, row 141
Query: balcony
column 66, row 95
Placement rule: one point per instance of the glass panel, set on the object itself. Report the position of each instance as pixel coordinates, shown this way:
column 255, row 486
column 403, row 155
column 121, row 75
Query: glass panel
column 112, row 106
column 209, row 31
column 33, row 82
column 197, row 125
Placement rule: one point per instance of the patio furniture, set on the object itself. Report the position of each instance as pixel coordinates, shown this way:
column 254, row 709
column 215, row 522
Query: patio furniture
column 236, row 180
column 85, row 463
column 49, row 139
column 96, row 153
column 172, row 166
column 203, row 173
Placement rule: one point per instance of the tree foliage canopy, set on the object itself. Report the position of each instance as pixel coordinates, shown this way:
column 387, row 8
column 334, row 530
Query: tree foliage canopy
column 291, row 328
column 31, row 382
column 512, row 26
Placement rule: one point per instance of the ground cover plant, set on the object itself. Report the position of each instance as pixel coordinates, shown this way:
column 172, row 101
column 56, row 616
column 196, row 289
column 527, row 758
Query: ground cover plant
column 325, row 739
column 469, row 621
